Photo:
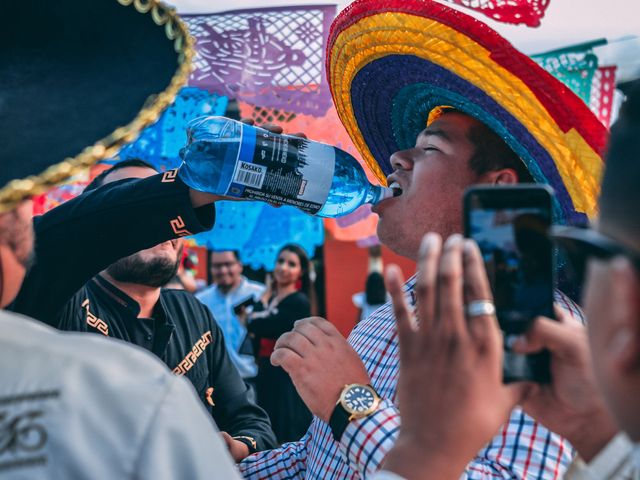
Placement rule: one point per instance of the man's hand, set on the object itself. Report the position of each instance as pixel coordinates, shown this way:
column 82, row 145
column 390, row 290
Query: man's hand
column 320, row 362
column 242, row 316
column 450, row 390
column 199, row 199
column 272, row 127
column 238, row 450
column 571, row 405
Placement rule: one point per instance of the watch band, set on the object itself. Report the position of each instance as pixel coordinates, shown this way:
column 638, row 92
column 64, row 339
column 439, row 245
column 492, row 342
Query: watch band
column 338, row 421
column 249, row 442
column 341, row 417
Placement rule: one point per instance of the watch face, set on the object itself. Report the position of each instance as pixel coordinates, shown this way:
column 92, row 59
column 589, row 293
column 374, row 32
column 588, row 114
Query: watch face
column 359, row 399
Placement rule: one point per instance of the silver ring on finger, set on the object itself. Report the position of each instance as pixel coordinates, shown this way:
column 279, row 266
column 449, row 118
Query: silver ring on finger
column 478, row 308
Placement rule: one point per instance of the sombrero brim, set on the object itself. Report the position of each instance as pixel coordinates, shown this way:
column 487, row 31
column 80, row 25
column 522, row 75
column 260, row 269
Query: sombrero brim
column 389, row 63
column 78, row 80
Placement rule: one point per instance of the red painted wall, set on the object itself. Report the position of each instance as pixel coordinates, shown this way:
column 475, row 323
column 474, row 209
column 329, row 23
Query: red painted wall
column 201, row 269
column 345, row 274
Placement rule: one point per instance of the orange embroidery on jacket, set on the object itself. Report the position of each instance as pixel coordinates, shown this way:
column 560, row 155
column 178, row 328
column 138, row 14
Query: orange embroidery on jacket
column 177, row 224
column 169, row 176
column 94, row 321
column 185, row 365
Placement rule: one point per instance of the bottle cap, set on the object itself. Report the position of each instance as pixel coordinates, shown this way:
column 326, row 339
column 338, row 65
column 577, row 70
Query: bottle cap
column 386, row 193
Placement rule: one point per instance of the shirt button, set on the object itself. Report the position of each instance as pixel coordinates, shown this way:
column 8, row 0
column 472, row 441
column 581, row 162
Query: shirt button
column 149, row 337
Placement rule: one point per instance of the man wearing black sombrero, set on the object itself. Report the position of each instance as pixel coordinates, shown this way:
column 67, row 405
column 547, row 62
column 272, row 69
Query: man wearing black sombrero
column 78, row 406
column 434, row 101
column 84, row 236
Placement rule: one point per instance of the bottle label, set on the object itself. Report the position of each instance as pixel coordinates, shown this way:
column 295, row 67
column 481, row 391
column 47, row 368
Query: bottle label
column 281, row 169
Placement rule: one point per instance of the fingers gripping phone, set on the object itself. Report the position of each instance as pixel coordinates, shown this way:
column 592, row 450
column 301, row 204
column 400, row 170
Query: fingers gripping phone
column 238, row 307
column 510, row 225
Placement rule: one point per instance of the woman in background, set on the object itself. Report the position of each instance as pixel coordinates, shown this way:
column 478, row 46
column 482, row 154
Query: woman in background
column 285, row 302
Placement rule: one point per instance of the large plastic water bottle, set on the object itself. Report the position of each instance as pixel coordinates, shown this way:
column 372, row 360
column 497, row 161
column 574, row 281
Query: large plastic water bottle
column 229, row 158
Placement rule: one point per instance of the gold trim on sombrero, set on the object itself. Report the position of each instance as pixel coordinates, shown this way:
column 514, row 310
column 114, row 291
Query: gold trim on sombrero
column 380, row 35
column 175, row 30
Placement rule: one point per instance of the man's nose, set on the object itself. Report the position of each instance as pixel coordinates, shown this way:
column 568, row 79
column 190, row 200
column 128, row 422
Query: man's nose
column 402, row 159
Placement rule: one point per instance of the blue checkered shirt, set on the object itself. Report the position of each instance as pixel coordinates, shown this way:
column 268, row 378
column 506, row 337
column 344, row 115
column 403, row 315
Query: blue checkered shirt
column 522, row 449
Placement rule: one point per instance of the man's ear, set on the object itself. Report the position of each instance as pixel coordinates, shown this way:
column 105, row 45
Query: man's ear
column 627, row 318
column 12, row 273
column 504, row 176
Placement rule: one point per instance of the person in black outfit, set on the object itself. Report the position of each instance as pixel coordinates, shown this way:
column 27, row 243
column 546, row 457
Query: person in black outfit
column 79, row 284
column 289, row 302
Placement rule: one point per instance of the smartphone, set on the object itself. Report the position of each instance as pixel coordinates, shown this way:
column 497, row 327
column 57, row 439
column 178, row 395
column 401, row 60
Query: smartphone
column 510, row 224
column 237, row 308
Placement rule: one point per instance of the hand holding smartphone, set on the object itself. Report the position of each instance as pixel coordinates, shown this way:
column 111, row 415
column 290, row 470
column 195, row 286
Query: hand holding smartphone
column 510, row 225
column 242, row 305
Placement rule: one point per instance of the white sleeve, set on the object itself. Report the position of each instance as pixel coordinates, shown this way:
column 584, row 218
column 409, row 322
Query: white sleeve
column 385, row 475
column 358, row 299
column 183, row 442
column 613, row 462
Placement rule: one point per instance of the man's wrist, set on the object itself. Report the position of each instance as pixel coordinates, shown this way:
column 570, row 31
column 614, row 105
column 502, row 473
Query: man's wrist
column 338, row 421
column 200, row 199
column 593, row 439
column 590, row 432
column 356, row 400
column 409, row 459
column 249, row 442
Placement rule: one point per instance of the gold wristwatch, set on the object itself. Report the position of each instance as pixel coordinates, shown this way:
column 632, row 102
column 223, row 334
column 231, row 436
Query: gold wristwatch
column 356, row 401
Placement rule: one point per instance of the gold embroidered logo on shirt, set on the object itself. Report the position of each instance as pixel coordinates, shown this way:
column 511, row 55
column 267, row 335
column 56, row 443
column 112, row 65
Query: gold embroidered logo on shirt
column 94, row 321
column 185, row 365
column 169, row 176
column 177, row 224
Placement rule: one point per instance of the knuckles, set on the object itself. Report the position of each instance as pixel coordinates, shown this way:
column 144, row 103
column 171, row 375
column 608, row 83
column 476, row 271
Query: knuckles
column 288, row 360
column 449, row 274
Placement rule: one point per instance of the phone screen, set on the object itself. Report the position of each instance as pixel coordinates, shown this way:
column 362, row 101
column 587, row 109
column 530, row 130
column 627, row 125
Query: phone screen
column 510, row 225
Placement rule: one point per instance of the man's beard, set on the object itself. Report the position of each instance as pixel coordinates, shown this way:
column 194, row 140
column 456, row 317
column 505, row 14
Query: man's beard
column 155, row 272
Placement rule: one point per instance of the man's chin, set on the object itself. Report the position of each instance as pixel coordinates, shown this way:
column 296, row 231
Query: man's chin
column 397, row 241
column 163, row 254
column 164, row 247
column 156, row 273
column 224, row 286
column 385, row 235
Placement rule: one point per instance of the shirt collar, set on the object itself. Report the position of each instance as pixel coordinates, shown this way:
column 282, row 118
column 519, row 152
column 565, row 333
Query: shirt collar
column 243, row 281
column 109, row 291
column 409, row 288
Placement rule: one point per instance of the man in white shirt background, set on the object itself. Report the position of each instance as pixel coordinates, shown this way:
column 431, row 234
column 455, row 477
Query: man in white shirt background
column 225, row 298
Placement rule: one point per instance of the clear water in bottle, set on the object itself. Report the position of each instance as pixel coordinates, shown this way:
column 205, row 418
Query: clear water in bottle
column 226, row 157
column 350, row 188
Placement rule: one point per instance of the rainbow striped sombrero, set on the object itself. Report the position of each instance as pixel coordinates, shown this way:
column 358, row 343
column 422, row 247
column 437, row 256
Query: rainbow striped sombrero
column 391, row 62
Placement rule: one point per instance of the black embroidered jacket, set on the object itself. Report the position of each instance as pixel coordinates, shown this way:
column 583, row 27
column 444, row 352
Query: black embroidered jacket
column 81, row 237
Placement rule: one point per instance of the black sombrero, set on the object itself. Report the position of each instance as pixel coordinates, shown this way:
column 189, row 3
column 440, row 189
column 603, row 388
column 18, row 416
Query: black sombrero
column 78, row 79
